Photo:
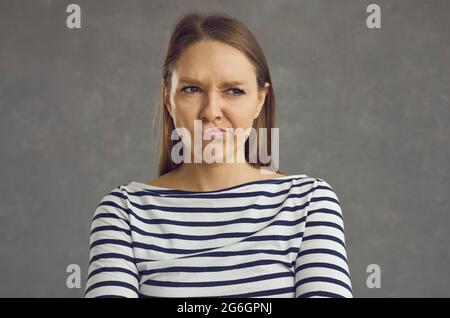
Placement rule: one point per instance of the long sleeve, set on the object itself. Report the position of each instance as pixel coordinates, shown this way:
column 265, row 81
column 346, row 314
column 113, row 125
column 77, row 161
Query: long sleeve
column 321, row 267
column 112, row 269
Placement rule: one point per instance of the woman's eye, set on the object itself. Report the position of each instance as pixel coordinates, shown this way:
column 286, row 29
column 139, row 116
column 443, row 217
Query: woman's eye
column 194, row 89
column 190, row 89
column 236, row 91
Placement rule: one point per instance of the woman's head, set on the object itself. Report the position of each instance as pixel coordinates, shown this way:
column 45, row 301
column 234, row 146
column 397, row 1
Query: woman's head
column 215, row 72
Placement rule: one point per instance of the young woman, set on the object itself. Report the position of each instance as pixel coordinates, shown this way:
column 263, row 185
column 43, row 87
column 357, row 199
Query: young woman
column 218, row 228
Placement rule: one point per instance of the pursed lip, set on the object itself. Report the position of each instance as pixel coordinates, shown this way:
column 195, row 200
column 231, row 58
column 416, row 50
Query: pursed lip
column 213, row 130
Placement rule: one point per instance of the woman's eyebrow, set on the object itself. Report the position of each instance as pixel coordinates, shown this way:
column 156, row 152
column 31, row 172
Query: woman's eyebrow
column 234, row 83
column 197, row 82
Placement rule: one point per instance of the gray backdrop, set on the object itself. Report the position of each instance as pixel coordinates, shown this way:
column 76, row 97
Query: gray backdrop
column 365, row 109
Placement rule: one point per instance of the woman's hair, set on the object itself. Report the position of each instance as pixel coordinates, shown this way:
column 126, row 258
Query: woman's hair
column 192, row 28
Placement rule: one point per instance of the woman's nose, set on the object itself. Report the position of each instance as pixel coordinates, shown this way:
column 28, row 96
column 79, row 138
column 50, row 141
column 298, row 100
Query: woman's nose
column 212, row 107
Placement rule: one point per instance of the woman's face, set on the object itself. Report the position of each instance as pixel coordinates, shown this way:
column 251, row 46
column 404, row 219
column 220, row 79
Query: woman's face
column 216, row 83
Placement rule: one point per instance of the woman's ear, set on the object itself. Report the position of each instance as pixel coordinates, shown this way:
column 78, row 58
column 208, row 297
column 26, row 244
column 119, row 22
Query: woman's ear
column 262, row 98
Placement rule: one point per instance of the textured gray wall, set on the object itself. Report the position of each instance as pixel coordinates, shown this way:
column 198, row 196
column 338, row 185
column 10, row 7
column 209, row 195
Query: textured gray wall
column 367, row 110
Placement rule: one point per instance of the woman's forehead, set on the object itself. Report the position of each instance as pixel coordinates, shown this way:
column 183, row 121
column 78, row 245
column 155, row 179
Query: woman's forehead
column 221, row 79
column 213, row 57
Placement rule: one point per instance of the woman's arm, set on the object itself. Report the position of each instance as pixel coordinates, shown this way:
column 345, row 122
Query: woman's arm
column 112, row 269
column 321, row 267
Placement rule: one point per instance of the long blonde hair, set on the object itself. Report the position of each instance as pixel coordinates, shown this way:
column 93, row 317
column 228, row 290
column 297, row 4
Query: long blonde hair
column 194, row 27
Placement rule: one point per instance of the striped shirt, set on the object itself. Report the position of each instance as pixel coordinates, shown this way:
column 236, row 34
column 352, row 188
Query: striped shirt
column 281, row 237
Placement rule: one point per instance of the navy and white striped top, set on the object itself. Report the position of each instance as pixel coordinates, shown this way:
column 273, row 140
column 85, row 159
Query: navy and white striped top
column 281, row 237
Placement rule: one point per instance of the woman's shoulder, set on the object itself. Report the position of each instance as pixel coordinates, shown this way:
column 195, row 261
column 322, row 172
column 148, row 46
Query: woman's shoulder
column 113, row 203
column 167, row 180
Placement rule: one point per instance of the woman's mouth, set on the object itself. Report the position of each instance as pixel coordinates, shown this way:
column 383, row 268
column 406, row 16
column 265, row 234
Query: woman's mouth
column 216, row 132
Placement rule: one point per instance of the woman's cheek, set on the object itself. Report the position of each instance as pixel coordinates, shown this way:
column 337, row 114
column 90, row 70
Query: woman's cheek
column 184, row 114
column 242, row 118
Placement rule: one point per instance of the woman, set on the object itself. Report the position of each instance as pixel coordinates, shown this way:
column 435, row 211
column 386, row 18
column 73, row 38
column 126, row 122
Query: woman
column 218, row 228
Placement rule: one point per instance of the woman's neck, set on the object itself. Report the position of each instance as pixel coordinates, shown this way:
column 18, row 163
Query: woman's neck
column 210, row 177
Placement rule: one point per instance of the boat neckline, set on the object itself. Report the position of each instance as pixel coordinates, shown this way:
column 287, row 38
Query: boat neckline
column 238, row 186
